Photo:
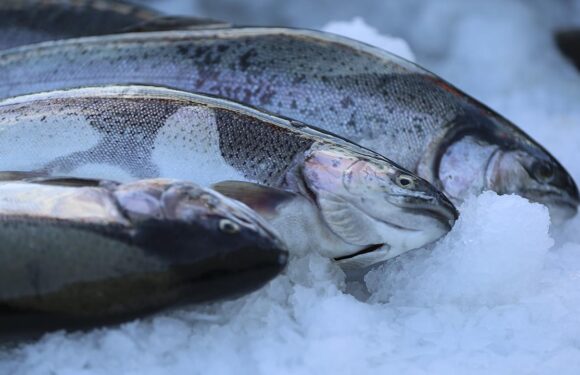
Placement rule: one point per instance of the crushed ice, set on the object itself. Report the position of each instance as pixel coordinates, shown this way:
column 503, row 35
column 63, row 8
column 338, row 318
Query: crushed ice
column 498, row 295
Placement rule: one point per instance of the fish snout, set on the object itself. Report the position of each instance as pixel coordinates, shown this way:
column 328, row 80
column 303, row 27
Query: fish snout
column 572, row 188
column 443, row 208
column 432, row 203
column 561, row 192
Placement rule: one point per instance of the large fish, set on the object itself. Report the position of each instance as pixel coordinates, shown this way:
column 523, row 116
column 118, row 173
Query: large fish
column 32, row 21
column 124, row 133
column 78, row 253
column 362, row 93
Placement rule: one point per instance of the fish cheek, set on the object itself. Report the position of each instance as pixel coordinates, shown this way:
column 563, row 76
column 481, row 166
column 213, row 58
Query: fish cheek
column 464, row 166
column 348, row 222
column 175, row 241
column 511, row 174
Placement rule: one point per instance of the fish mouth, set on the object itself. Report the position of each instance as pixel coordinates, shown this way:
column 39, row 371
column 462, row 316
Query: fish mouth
column 555, row 200
column 445, row 212
column 446, row 217
column 366, row 250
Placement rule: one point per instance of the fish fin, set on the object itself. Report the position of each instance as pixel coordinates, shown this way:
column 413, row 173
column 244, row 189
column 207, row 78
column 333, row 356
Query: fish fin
column 347, row 221
column 67, row 181
column 262, row 199
column 169, row 23
column 72, row 182
column 41, row 178
column 19, row 175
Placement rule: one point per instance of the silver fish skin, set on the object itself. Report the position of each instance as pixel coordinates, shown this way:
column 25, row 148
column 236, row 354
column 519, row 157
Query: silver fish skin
column 34, row 21
column 134, row 132
column 77, row 254
column 357, row 91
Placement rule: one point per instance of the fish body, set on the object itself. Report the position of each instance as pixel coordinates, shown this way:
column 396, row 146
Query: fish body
column 354, row 90
column 76, row 255
column 133, row 132
column 33, row 21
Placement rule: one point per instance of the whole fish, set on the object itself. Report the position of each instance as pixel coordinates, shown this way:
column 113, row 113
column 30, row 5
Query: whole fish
column 357, row 91
column 77, row 253
column 32, row 21
column 125, row 133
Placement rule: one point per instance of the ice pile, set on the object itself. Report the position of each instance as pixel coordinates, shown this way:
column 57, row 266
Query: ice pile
column 500, row 294
column 489, row 298
column 494, row 255
column 368, row 34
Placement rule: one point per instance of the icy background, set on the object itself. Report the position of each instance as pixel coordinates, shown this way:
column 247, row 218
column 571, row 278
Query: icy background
column 500, row 294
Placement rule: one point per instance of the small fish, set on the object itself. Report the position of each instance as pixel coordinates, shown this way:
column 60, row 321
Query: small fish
column 134, row 132
column 367, row 95
column 80, row 253
column 33, row 21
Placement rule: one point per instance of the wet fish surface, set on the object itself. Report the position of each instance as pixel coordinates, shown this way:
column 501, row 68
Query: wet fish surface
column 357, row 91
column 33, row 21
column 78, row 253
column 126, row 133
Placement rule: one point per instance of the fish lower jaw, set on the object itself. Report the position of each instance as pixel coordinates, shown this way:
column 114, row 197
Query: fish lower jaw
column 364, row 251
column 369, row 257
column 406, row 237
column 549, row 197
column 561, row 209
column 395, row 244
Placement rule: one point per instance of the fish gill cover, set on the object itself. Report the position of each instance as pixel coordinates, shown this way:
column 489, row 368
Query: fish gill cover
column 498, row 295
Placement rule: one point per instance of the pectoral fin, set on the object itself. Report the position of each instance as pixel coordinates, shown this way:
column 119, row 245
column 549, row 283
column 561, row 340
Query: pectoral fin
column 262, row 199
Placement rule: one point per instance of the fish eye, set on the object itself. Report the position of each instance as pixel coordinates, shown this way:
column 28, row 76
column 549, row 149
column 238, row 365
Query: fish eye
column 406, row 182
column 543, row 171
column 228, row 226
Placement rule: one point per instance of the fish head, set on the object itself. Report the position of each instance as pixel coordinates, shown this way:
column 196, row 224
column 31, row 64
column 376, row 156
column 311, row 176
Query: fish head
column 368, row 200
column 534, row 174
column 487, row 152
column 185, row 202
column 188, row 225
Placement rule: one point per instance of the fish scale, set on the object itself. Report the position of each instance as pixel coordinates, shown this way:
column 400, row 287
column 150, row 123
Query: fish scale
column 359, row 92
column 128, row 129
column 125, row 138
column 130, row 132
column 119, row 127
column 33, row 21
column 276, row 75
column 258, row 144
column 82, row 253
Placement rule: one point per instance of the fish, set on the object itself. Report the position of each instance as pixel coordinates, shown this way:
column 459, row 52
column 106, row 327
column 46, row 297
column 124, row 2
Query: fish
column 81, row 253
column 359, row 92
column 34, row 21
column 135, row 132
